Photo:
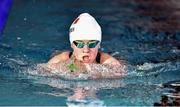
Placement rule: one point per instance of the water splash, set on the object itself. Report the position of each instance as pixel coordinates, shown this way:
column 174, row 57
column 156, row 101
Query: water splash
column 85, row 103
column 152, row 68
column 87, row 72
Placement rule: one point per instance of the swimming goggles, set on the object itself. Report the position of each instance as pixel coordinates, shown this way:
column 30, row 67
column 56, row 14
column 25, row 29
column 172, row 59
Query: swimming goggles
column 90, row 44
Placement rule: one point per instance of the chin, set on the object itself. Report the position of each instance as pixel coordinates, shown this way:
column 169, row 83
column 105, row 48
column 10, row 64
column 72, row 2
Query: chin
column 87, row 62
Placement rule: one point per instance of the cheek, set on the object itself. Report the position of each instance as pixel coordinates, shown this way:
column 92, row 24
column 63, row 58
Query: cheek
column 94, row 52
column 76, row 52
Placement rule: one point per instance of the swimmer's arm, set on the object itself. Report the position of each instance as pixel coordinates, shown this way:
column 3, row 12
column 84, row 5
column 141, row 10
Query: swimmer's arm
column 53, row 63
column 107, row 59
column 109, row 68
column 115, row 71
column 112, row 61
column 116, row 68
column 59, row 58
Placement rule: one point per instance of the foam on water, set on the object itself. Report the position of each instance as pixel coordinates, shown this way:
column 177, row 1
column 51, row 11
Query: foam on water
column 66, row 81
column 85, row 103
column 57, row 80
column 90, row 71
column 152, row 68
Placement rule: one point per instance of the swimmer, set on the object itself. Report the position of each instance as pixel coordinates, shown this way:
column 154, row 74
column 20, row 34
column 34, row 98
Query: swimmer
column 85, row 39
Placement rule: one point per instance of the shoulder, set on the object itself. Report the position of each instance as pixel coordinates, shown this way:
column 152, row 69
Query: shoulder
column 63, row 56
column 108, row 59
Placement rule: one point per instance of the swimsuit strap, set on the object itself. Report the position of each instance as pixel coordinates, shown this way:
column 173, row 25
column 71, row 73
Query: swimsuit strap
column 70, row 54
column 98, row 58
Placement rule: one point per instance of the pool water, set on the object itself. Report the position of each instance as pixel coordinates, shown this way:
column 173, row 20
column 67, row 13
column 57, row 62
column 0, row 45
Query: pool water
column 144, row 34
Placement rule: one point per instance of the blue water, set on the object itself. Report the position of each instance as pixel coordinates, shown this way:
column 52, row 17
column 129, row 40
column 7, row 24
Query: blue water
column 144, row 34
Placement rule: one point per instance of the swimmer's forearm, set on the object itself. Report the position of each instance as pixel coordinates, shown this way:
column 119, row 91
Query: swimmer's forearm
column 48, row 67
column 107, row 71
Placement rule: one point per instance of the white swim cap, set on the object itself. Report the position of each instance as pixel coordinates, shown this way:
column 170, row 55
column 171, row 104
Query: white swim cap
column 85, row 27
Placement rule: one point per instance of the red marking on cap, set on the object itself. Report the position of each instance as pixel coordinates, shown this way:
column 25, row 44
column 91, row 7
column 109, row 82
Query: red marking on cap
column 76, row 21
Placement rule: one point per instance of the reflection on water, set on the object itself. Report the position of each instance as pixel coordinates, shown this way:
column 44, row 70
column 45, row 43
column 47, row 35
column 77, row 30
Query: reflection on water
column 79, row 93
column 172, row 97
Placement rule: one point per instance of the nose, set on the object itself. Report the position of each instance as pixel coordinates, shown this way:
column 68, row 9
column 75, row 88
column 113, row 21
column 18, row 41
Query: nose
column 85, row 49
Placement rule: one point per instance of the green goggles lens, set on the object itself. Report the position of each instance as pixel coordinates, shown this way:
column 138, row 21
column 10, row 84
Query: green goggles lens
column 90, row 44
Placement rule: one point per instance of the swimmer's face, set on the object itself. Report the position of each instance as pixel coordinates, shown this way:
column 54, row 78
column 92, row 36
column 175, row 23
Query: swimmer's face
column 85, row 50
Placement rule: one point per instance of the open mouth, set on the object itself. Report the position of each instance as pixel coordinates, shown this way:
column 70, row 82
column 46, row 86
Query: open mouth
column 86, row 59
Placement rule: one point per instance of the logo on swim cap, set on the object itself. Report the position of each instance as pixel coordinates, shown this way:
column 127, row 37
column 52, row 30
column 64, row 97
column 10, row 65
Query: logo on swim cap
column 71, row 29
column 85, row 27
column 76, row 21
